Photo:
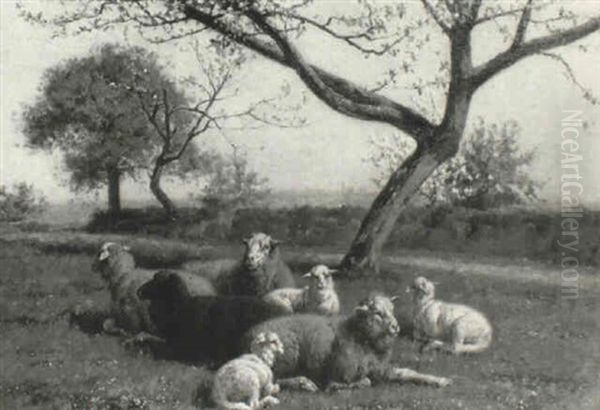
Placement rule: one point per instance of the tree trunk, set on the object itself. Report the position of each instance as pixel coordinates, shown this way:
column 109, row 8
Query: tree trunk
column 364, row 253
column 159, row 194
column 114, row 192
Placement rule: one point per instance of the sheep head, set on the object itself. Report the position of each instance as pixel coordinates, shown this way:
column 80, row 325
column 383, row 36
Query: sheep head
column 375, row 321
column 111, row 258
column 259, row 248
column 165, row 286
column 422, row 289
column 320, row 278
column 267, row 345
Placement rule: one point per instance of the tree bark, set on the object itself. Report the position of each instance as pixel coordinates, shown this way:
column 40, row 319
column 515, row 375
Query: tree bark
column 364, row 254
column 114, row 192
column 159, row 193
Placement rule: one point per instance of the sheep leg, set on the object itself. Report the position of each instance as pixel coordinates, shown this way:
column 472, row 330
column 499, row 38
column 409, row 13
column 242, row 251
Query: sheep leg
column 267, row 401
column 409, row 375
column 298, row 383
column 361, row 384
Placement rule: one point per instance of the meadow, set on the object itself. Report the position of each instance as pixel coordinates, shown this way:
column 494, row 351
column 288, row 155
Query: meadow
column 545, row 353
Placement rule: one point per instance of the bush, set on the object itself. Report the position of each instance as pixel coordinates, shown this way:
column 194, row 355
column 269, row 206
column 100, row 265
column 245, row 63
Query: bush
column 20, row 203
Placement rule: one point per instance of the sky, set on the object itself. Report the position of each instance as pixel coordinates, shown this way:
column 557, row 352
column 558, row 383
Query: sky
column 329, row 153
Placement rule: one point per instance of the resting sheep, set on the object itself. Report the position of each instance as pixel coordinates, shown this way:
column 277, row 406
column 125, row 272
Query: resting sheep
column 128, row 314
column 450, row 327
column 246, row 383
column 260, row 271
column 201, row 327
column 318, row 297
column 340, row 353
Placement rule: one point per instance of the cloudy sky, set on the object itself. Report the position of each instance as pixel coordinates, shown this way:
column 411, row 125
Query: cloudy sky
column 329, row 153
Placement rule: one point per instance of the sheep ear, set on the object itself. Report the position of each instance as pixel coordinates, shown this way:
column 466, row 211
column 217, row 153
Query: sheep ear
column 334, row 271
column 361, row 308
column 126, row 248
column 245, row 241
column 103, row 255
column 395, row 298
column 307, row 275
column 275, row 242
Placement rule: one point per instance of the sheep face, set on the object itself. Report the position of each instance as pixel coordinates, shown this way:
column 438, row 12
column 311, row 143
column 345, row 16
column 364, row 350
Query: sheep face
column 376, row 321
column 110, row 255
column 258, row 249
column 267, row 345
column 422, row 289
column 320, row 278
column 164, row 286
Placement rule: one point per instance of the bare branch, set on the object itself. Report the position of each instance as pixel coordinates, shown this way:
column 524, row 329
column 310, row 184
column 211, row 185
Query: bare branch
column 509, row 57
column 570, row 74
column 522, row 26
column 431, row 11
column 403, row 117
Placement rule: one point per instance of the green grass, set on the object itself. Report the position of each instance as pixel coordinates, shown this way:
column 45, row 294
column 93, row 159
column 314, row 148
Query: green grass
column 546, row 353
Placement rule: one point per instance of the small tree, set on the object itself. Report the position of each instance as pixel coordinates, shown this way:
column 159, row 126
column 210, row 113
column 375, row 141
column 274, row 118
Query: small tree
column 489, row 171
column 20, row 202
column 230, row 186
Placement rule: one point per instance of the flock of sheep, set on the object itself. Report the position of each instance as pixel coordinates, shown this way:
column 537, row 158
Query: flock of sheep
column 251, row 320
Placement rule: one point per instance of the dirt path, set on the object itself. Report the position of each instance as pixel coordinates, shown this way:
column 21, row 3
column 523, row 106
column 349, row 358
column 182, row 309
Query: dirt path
column 501, row 268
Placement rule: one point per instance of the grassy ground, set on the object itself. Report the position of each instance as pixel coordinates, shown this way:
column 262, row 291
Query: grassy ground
column 546, row 352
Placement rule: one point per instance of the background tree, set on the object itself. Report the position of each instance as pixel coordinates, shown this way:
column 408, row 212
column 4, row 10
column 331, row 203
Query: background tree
column 398, row 32
column 87, row 111
column 490, row 170
column 20, row 202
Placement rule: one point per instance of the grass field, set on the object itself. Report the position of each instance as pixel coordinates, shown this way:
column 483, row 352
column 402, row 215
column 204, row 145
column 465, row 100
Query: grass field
column 546, row 354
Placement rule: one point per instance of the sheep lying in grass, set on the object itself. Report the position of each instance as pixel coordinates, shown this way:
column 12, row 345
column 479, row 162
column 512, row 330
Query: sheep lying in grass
column 261, row 270
column 318, row 297
column 201, row 327
column 340, row 353
column 247, row 382
column 129, row 315
column 450, row 327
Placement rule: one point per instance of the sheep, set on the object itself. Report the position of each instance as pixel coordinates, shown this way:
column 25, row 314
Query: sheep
column 128, row 314
column 260, row 271
column 318, row 297
column 202, row 327
column 340, row 353
column 449, row 327
column 240, row 383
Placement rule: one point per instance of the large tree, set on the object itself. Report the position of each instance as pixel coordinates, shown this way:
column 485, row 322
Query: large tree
column 399, row 33
column 92, row 109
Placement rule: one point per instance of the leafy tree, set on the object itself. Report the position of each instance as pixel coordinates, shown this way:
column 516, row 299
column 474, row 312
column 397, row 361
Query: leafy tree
column 448, row 32
column 489, row 171
column 20, row 202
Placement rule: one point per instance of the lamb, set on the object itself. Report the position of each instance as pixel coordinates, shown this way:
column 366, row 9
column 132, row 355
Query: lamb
column 241, row 382
column 129, row 315
column 340, row 353
column 260, row 271
column 318, row 297
column 201, row 328
column 446, row 326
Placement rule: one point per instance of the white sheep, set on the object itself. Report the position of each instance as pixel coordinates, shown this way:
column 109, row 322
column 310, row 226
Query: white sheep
column 246, row 383
column 129, row 314
column 318, row 297
column 446, row 326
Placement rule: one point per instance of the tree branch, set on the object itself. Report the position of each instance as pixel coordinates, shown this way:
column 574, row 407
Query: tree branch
column 403, row 117
column 487, row 70
column 431, row 11
column 522, row 26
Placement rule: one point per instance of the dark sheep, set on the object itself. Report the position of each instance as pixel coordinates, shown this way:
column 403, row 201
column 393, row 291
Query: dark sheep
column 201, row 328
column 338, row 353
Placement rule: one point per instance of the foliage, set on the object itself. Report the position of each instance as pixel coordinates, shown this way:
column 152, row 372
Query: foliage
column 20, row 202
column 489, row 171
column 85, row 111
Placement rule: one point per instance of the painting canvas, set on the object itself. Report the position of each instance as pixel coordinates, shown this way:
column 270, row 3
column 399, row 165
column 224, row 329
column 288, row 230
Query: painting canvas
column 324, row 204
